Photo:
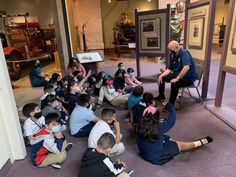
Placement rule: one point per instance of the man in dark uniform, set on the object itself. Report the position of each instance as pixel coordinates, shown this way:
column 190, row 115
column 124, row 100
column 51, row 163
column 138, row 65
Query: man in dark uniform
column 180, row 72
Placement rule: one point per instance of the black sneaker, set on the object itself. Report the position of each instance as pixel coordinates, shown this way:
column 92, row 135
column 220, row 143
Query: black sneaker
column 68, row 146
column 160, row 98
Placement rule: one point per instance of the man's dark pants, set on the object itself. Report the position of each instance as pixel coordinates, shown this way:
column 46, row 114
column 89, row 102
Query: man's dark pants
column 183, row 82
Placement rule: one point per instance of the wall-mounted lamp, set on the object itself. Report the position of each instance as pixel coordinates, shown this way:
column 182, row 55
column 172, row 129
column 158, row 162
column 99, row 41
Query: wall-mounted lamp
column 109, row 1
column 149, row 0
column 180, row 6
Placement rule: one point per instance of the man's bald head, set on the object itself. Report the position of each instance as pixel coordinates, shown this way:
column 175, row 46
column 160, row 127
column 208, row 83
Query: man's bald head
column 173, row 46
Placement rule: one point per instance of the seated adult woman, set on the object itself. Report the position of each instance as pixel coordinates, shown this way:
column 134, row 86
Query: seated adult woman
column 156, row 147
column 115, row 98
column 75, row 67
column 37, row 77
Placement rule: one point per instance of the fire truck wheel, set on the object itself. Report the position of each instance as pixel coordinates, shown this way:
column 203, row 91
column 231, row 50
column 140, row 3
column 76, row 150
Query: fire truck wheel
column 14, row 68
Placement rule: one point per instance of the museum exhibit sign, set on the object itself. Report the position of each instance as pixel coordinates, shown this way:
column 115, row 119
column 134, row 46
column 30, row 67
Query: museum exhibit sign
column 198, row 36
column 152, row 34
column 90, row 60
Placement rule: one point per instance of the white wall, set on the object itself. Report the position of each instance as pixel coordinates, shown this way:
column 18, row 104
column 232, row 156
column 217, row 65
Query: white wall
column 39, row 8
column 11, row 139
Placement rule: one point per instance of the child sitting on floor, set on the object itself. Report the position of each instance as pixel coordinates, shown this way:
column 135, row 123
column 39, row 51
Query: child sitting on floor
column 99, row 81
column 49, row 146
column 135, row 97
column 119, row 83
column 137, row 110
column 130, row 79
column 48, row 89
column 34, row 121
column 156, row 147
column 82, row 119
column 96, row 162
column 121, row 68
column 52, row 105
column 108, row 91
column 103, row 126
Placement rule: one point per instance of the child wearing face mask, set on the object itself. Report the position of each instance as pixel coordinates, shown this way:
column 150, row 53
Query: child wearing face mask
column 48, row 89
column 49, row 146
column 115, row 98
column 52, row 105
column 82, row 119
column 121, row 69
column 130, row 79
column 34, row 120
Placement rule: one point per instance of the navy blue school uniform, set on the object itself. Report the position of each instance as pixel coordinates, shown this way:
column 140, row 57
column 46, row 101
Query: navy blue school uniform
column 137, row 111
column 162, row 150
column 72, row 100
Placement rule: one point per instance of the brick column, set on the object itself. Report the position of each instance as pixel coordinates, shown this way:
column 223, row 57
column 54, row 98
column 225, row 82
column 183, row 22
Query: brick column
column 90, row 12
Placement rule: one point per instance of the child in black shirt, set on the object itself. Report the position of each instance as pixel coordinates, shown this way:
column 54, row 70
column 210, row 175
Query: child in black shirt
column 95, row 162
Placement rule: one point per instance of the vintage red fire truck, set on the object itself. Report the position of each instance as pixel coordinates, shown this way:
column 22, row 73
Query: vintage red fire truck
column 24, row 41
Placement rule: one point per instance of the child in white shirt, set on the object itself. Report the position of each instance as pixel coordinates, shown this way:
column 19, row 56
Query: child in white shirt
column 34, row 121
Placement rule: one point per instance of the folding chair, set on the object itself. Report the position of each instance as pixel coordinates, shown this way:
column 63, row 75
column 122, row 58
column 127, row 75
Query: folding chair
column 199, row 73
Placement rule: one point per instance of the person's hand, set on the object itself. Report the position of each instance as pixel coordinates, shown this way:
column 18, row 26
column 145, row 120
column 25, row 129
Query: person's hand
column 120, row 91
column 59, row 106
column 172, row 81
column 122, row 163
column 116, row 124
column 159, row 80
column 59, row 134
column 89, row 73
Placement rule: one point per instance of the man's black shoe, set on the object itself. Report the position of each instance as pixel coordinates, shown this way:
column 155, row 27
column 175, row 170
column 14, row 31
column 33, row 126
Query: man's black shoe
column 160, row 98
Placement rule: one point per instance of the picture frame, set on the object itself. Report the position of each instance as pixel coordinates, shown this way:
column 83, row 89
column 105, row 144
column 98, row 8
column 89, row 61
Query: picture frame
column 233, row 45
column 196, row 29
column 150, row 31
column 89, row 57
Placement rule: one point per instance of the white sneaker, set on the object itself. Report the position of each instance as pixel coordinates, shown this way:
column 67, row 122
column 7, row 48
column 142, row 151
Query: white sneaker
column 57, row 166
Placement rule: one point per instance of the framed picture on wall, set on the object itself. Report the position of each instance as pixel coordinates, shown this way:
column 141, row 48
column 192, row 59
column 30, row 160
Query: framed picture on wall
column 233, row 47
column 196, row 33
column 150, row 34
